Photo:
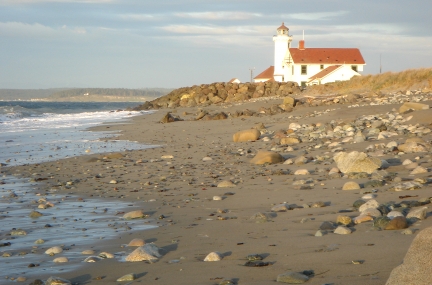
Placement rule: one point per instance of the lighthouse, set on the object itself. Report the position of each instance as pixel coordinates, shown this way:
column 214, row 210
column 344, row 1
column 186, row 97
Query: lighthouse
column 282, row 42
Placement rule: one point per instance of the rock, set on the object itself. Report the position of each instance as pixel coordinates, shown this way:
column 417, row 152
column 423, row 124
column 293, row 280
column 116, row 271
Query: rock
column 213, row 256
column 18, row 232
column 358, row 203
column 369, row 204
column 412, row 106
column 301, row 172
column 247, row 135
column 343, row 220
column 260, row 217
column 35, row 214
column 88, row 252
column 412, row 147
column 300, row 160
column 292, row 277
column 39, row 241
column 54, row 250
column 320, row 233
column 148, row 252
column 372, row 212
column 407, row 232
column 92, row 259
column 318, row 204
column 419, row 170
column 289, row 101
column 289, row 141
column 362, row 219
column 327, row 226
column 397, row 223
column 280, row 208
column 351, row 185
column 394, row 214
column 134, row 215
column 217, row 198
column 127, row 277
column 381, row 222
column 368, row 196
column 136, row 242
column 356, row 162
column 105, row 255
column 207, row 158
column 226, row 184
column 263, row 157
column 342, row 230
column 417, row 263
column 61, row 259
column 57, row 281
column 418, row 213
column 168, row 118
column 410, row 185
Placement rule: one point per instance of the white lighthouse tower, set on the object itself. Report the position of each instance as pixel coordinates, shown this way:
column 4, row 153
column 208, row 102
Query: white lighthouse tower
column 282, row 44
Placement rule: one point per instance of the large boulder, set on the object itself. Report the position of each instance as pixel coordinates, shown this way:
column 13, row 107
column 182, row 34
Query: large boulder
column 356, row 162
column 270, row 157
column 417, row 264
column 246, row 135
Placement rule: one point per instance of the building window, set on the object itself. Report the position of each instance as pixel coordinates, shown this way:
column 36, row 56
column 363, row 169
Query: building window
column 303, row 84
column 322, row 66
column 283, row 79
column 304, row 69
column 292, row 70
column 354, row 67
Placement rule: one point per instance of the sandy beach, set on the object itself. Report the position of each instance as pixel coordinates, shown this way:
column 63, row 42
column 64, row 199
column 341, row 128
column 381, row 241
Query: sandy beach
column 176, row 185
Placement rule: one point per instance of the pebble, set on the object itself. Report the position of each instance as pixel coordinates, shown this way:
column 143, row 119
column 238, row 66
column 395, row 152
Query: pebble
column 88, row 252
column 301, row 172
column 351, row 185
column 54, row 250
column 342, row 230
column 127, row 277
column 213, row 256
column 61, row 259
column 136, row 242
column 217, row 198
column 291, row 277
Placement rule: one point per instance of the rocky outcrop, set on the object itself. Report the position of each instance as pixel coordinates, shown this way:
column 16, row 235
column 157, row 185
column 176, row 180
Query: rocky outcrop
column 223, row 92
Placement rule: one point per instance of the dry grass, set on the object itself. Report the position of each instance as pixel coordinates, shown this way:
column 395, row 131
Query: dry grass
column 411, row 79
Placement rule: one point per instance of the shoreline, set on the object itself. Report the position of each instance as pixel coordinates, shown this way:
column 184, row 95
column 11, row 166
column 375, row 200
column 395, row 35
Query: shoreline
column 193, row 224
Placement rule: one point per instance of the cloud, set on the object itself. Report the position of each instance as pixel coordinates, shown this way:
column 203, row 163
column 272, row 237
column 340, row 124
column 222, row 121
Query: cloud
column 36, row 30
column 216, row 30
column 139, row 17
column 221, row 15
column 314, row 16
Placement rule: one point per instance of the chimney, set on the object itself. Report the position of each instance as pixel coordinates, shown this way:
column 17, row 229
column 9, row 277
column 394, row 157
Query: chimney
column 301, row 44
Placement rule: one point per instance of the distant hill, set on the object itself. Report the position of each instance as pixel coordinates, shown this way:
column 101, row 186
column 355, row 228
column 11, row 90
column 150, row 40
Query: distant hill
column 84, row 94
column 26, row 94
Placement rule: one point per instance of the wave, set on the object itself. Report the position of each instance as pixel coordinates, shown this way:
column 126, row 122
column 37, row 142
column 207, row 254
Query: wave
column 19, row 121
column 11, row 113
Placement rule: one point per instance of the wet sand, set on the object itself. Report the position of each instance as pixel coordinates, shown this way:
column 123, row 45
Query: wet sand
column 178, row 194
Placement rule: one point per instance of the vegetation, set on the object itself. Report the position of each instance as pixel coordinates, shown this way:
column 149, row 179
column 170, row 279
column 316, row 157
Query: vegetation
column 412, row 79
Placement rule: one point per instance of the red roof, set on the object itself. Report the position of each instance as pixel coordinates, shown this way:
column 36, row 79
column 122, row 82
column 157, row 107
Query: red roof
column 326, row 71
column 268, row 73
column 327, row 56
column 283, row 27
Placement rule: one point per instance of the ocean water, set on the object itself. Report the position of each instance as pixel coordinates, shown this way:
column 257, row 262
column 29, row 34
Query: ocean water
column 34, row 132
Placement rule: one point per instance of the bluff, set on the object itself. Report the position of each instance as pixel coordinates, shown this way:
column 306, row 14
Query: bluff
column 220, row 92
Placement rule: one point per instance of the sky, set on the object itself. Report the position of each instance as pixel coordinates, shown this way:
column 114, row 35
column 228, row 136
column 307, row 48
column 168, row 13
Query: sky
column 179, row 43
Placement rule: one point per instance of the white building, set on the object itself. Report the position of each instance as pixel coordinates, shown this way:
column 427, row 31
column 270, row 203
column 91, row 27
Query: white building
column 310, row 66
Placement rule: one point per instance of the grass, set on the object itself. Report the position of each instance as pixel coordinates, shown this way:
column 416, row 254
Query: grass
column 411, row 79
